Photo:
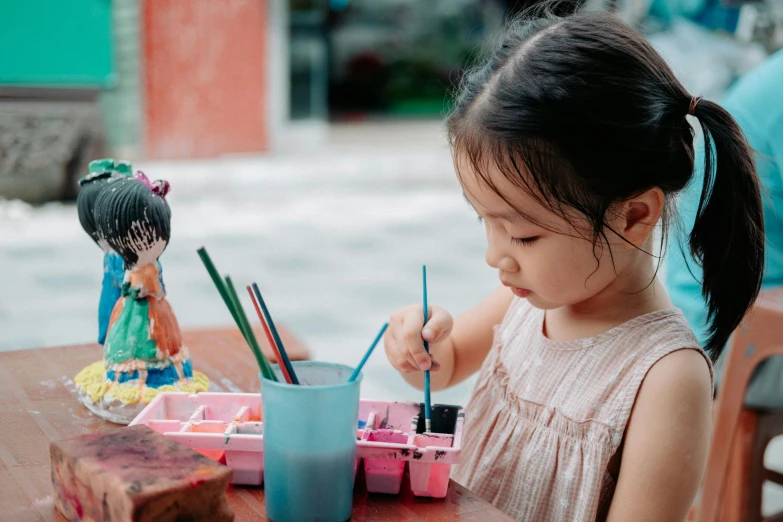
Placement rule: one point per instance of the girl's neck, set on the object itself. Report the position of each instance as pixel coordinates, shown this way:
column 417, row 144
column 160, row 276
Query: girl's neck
column 630, row 295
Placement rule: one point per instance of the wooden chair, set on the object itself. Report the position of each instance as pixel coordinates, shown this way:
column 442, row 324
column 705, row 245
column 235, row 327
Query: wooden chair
column 735, row 469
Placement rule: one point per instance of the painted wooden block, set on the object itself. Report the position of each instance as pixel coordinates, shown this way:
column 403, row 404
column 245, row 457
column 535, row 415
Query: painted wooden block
column 137, row 475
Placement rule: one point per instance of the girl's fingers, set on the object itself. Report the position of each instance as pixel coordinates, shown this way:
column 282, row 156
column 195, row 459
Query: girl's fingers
column 438, row 326
column 411, row 338
column 397, row 356
column 404, row 339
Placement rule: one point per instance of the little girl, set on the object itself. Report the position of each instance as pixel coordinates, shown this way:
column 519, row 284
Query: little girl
column 593, row 398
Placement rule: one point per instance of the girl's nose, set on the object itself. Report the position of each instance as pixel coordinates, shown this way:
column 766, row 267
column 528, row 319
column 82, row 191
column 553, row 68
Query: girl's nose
column 497, row 257
column 508, row 264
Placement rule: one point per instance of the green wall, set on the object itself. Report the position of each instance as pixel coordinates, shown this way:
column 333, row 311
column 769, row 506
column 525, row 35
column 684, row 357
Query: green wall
column 56, row 43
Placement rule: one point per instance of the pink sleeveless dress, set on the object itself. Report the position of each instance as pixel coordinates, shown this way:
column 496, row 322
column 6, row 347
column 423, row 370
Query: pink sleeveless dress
column 546, row 416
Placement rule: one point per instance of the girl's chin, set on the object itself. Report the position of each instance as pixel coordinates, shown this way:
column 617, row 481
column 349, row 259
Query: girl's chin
column 536, row 301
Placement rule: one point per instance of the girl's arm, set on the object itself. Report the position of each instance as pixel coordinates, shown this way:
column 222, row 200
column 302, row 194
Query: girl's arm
column 458, row 347
column 666, row 442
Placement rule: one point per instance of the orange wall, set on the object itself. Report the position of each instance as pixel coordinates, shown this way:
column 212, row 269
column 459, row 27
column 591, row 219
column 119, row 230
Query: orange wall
column 204, row 77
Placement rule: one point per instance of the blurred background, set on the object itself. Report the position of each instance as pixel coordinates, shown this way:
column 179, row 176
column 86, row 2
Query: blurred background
column 303, row 142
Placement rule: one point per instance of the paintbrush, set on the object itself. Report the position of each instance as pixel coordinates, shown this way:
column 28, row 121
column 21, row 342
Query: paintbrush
column 283, row 354
column 427, row 408
column 358, row 369
column 269, row 337
column 266, row 368
column 235, row 309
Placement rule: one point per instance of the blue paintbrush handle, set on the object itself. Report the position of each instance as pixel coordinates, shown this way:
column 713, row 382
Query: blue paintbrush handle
column 358, row 369
column 427, row 406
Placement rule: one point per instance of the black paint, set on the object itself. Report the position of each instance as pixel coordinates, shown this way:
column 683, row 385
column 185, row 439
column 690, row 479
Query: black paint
column 444, row 418
column 385, row 421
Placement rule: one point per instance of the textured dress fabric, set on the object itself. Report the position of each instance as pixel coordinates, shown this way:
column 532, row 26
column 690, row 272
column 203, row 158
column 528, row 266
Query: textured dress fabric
column 547, row 416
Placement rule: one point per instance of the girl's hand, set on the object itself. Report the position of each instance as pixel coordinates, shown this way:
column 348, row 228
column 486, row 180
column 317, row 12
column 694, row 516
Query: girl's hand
column 404, row 339
column 457, row 348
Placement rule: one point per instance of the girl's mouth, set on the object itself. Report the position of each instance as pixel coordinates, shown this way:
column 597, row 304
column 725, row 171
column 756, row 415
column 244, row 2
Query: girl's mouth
column 520, row 292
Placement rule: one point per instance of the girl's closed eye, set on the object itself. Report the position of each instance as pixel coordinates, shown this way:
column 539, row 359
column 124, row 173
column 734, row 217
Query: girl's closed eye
column 524, row 241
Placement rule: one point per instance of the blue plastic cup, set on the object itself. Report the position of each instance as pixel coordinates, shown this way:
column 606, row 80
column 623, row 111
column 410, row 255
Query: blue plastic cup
column 310, row 443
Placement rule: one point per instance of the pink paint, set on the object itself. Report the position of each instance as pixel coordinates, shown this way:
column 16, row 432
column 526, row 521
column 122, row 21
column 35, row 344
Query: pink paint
column 159, row 187
column 431, row 479
column 385, row 475
column 73, row 499
column 66, row 494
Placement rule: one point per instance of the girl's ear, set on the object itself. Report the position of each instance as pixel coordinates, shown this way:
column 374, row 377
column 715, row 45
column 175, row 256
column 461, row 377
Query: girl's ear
column 640, row 215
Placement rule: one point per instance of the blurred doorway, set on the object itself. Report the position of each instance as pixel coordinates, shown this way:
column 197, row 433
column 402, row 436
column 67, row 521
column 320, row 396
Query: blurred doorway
column 354, row 59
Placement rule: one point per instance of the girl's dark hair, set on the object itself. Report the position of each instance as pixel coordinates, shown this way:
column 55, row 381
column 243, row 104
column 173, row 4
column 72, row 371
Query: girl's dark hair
column 131, row 218
column 594, row 116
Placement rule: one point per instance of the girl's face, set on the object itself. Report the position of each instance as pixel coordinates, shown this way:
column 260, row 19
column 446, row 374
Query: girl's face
column 552, row 262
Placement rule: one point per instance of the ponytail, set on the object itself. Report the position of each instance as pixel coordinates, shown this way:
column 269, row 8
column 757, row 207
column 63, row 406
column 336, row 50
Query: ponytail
column 728, row 236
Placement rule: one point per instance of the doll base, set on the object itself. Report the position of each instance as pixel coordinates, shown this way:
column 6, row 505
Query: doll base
column 121, row 403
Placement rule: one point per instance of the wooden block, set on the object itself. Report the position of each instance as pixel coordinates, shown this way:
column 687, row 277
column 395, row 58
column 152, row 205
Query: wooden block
column 137, row 475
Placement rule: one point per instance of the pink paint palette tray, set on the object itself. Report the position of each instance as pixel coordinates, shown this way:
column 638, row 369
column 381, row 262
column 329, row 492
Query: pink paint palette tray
column 228, row 427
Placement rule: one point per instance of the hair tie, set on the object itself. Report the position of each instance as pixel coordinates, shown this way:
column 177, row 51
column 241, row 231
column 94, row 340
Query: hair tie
column 694, row 102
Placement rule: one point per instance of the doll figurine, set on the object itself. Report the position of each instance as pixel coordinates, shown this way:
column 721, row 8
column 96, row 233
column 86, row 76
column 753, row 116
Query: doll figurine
column 102, row 173
column 143, row 352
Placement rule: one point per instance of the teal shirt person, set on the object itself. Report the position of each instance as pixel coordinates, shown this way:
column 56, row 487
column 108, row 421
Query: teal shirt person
column 756, row 102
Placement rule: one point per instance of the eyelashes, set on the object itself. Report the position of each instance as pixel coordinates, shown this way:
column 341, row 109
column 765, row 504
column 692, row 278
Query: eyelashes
column 520, row 241
column 523, row 241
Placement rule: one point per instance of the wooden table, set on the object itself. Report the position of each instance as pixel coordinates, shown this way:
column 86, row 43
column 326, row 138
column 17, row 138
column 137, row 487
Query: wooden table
column 38, row 404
